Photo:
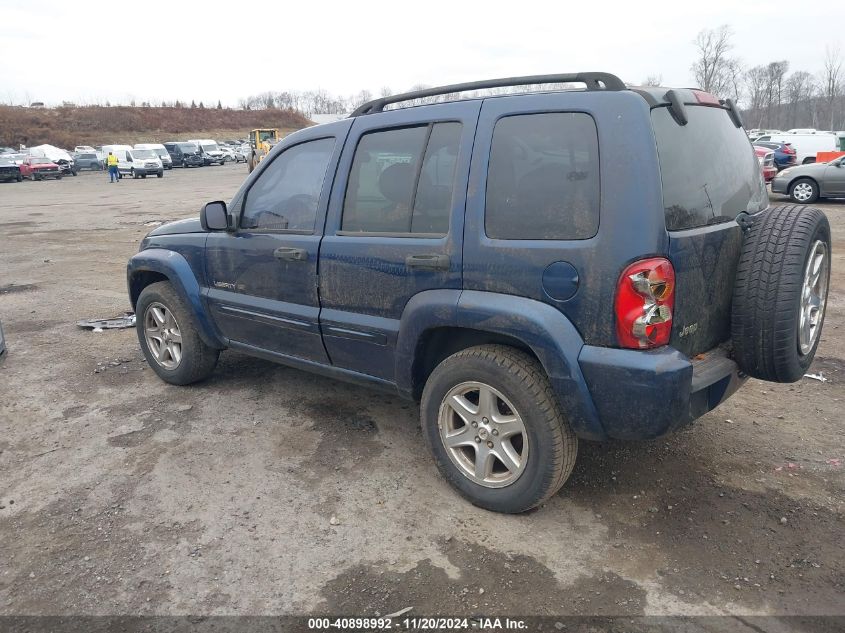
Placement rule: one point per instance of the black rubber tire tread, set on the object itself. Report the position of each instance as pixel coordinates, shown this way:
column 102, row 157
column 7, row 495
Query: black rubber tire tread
column 809, row 181
column 528, row 382
column 198, row 359
column 767, row 292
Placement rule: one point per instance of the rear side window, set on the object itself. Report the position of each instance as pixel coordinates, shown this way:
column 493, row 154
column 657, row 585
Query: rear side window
column 708, row 168
column 286, row 194
column 402, row 180
column 543, row 178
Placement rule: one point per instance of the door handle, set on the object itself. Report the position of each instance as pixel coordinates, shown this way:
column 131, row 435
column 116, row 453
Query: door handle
column 429, row 261
column 287, row 253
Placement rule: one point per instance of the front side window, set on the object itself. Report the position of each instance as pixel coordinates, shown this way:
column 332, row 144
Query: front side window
column 286, row 194
column 402, row 181
column 543, row 178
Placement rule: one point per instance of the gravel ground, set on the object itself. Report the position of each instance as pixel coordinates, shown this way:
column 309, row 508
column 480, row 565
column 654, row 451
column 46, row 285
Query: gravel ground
column 265, row 490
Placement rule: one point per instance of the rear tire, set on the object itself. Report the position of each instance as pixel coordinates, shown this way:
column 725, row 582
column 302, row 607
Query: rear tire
column 544, row 448
column 780, row 292
column 197, row 360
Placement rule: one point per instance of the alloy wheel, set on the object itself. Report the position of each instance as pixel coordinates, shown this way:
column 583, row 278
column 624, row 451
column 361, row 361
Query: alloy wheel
column 163, row 336
column 813, row 296
column 483, row 434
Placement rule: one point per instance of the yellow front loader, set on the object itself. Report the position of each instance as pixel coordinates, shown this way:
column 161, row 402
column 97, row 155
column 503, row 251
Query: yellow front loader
column 261, row 142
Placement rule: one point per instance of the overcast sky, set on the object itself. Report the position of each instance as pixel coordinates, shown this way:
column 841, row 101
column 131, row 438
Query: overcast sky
column 112, row 50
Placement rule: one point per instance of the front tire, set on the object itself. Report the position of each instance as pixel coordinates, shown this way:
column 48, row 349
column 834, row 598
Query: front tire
column 804, row 191
column 495, row 428
column 169, row 337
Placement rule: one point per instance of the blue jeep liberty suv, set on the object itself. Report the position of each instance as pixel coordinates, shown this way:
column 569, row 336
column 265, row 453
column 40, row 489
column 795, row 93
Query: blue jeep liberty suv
column 532, row 268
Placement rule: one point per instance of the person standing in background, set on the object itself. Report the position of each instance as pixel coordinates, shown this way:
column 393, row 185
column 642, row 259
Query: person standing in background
column 111, row 161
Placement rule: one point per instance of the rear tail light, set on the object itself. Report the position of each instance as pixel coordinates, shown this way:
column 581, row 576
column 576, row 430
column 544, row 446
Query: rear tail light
column 645, row 298
column 788, row 150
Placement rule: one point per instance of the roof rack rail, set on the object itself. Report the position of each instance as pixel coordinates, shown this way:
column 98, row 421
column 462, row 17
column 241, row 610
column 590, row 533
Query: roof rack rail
column 593, row 81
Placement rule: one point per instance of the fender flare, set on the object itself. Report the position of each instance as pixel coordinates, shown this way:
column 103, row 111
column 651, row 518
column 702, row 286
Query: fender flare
column 179, row 273
column 545, row 330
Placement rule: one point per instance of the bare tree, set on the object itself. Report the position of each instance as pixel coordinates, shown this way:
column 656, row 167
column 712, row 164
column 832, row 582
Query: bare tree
column 831, row 80
column 714, row 68
column 800, row 89
column 775, row 72
column 653, row 80
column 755, row 83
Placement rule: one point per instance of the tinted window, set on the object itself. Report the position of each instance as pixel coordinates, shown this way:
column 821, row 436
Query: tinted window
column 286, row 194
column 709, row 171
column 402, row 180
column 543, row 178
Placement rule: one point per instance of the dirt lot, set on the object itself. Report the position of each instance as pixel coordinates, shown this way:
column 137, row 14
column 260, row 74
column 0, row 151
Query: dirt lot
column 121, row 494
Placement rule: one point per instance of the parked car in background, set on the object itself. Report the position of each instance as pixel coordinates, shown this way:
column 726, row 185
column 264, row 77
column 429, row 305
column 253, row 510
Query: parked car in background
column 240, row 156
column 806, row 146
column 228, row 154
column 88, row 160
column 766, row 157
column 184, row 154
column 16, row 158
column 210, row 151
column 9, row 170
column 785, row 155
column 57, row 155
column 806, row 183
column 160, row 151
column 37, row 168
column 140, row 163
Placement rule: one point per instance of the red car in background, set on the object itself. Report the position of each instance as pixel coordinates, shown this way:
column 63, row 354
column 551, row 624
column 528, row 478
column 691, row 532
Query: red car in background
column 766, row 157
column 40, row 168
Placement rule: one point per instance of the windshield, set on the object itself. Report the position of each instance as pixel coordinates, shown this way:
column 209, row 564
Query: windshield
column 188, row 148
column 210, row 147
column 161, row 152
column 39, row 161
column 6, row 161
column 143, row 153
column 86, row 156
column 709, row 172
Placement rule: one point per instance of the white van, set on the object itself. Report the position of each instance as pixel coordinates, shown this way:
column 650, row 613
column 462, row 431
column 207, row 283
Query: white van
column 140, row 163
column 806, row 146
column 160, row 151
column 210, row 151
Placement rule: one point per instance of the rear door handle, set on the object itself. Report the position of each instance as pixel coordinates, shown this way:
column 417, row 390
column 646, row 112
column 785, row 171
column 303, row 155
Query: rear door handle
column 429, row 261
column 286, row 253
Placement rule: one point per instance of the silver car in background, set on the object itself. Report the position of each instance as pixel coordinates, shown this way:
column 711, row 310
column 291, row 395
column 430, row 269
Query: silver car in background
column 805, row 184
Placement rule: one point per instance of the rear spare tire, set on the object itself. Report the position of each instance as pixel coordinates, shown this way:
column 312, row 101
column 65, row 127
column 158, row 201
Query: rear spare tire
column 780, row 292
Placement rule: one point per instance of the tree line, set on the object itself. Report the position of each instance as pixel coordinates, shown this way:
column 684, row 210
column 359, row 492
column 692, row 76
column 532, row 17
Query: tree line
column 768, row 94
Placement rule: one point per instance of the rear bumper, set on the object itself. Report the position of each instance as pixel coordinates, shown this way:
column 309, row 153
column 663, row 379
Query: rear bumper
column 645, row 394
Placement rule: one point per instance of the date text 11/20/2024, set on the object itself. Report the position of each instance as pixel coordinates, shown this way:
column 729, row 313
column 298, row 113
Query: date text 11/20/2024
column 416, row 624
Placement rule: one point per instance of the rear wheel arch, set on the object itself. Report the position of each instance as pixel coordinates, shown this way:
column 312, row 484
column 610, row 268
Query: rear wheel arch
column 436, row 344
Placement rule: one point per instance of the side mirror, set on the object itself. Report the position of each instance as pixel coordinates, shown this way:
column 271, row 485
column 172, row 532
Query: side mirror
column 214, row 216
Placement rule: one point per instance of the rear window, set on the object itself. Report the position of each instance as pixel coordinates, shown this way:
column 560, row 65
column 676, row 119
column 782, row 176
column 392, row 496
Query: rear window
column 709, row 171
column 543, row 178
